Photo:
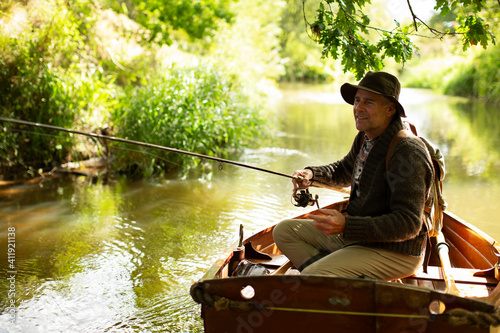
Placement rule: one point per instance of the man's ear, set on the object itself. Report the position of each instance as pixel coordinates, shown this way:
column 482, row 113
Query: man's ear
column 391, row 109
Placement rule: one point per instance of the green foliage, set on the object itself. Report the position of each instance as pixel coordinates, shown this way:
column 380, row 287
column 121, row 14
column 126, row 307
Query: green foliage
column 472, row 76
column 395, row 45
column 474, row 31
column 342, row 28
column 464, row 22
column 48, row 74
column 446, row 6
column 199, row 110
column 31, row 91
column 301, row 56
column 479, row 78
column 447, row 68
column 198, row 19
column 56, row 69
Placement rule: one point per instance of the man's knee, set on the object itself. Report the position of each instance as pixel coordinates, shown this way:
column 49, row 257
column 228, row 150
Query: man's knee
column 281, row 230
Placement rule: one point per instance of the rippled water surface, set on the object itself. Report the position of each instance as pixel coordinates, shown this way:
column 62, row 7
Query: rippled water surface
column 120, row 256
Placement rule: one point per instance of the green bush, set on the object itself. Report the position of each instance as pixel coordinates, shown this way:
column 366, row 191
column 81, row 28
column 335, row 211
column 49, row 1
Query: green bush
column 198, row 109
column 50, row 74
column 475, row 75
column 30, row 90
column 68, row 64
column 480, row 78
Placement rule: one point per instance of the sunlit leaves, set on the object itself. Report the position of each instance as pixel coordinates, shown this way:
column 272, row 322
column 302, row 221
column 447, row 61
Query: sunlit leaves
column 343, row 28
column 472, row 27
column 396, row 45
column 198, row 19
column 340, row 27
column 474, row 31
column 445, row 5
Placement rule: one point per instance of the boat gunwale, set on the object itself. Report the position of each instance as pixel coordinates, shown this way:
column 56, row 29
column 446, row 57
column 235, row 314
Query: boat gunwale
column 215, row 271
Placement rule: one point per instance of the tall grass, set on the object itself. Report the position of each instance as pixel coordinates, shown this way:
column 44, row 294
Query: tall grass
column 30, row 90
column 200, row 109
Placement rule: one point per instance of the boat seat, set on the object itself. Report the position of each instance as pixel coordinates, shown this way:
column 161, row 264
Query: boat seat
column 466, row 282
column 461, row 275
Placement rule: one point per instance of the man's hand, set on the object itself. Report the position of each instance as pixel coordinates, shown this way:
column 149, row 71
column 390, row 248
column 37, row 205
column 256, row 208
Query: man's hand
column 331, row 224
column 302, row 180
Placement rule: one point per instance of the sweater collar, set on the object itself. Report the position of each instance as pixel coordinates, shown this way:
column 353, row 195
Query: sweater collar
column 385, row 138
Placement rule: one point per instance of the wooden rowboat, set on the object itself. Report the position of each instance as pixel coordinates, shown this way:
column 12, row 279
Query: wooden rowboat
column 450, row 297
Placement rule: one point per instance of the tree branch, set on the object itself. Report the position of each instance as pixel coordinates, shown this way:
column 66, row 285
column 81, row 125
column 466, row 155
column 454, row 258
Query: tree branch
column 342, row 26
column 414, row 17
column 305, row 19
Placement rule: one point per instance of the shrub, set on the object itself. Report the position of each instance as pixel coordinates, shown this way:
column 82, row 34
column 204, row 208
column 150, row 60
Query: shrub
column 49, row 73
column 30, row 90
column 480, row 78
column 195, row 109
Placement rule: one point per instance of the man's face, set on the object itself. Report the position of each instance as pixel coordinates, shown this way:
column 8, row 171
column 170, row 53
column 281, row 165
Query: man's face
column 372, row 113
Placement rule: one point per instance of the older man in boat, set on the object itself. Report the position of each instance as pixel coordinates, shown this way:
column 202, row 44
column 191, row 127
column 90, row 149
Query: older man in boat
column 381, row 234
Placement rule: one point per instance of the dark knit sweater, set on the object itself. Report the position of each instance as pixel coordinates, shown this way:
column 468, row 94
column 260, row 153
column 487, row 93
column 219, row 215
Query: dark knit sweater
column 388, row 212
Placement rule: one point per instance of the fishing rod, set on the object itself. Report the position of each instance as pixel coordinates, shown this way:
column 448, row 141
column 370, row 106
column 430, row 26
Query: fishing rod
column 303, row 199
column 143, row 144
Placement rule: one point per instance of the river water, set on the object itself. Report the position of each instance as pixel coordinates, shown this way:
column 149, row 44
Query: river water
column 120, row 256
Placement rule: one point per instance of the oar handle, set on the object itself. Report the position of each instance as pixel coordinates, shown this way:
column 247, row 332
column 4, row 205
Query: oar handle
column 443, row 250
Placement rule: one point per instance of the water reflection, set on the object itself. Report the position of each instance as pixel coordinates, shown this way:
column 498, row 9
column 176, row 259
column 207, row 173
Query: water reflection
column 121, row 256
column 98, row 254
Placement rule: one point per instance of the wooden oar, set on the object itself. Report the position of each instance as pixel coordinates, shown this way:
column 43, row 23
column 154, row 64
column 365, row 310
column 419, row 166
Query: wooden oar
column 443, row 250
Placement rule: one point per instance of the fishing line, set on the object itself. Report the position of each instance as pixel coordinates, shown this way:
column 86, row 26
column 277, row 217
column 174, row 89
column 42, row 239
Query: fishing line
column 145, row 152
column 144, row 144
column 302, row 198
column 120, row 148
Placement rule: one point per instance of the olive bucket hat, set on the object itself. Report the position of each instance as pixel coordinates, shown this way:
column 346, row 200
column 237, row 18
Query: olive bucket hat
column 380, row 83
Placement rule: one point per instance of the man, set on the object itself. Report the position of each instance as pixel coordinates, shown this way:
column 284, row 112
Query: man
column 381, row 235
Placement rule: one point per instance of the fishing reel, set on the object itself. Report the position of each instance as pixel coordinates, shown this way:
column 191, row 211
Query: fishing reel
column 304, row 198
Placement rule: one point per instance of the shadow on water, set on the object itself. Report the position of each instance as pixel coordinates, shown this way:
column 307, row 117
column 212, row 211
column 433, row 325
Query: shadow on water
column 120, row 256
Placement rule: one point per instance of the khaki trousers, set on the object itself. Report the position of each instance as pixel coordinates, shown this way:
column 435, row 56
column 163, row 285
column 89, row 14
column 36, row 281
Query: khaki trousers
column 300, row 241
